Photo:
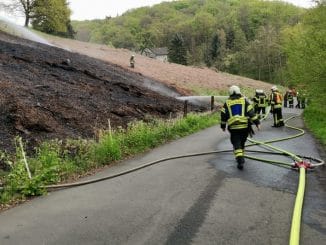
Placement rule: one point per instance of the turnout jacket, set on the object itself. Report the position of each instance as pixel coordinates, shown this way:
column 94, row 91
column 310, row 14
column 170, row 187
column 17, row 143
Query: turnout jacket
column 276, row 99
column 238, row 113
column 260, row 99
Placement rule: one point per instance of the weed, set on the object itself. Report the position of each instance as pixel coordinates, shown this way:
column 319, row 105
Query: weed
column 57, row 160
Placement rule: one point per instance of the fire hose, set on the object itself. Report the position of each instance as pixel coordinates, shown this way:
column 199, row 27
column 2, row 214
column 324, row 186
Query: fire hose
column 299, row 163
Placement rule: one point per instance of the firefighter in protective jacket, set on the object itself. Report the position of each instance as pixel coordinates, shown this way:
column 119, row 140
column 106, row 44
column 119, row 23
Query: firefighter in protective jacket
column 260, row 102
column 238, row 114
column 276, row 101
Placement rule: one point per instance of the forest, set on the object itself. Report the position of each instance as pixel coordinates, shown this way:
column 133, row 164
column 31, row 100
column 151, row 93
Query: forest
column 239, row 37
column 271, row 41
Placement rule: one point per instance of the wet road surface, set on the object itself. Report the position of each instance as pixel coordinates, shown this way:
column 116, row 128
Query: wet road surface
column 198, row 200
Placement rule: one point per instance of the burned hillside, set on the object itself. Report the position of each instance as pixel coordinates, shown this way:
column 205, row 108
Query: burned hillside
column 47, row 92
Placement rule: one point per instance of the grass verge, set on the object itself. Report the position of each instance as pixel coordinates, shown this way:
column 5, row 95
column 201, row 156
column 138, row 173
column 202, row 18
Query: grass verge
column 61, row 161
column 315, row 119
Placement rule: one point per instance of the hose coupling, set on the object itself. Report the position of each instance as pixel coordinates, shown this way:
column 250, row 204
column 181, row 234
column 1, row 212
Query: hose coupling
column 302, row 164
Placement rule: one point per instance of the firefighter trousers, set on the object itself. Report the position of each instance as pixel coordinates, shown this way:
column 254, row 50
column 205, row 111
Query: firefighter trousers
column 278, row 118
column 261, row 110
column 238, row 140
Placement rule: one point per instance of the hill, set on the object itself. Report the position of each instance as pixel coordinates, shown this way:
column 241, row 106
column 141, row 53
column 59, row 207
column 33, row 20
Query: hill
column 238, row 37
column 186, row 80
column 47, row 92
column 58, row 92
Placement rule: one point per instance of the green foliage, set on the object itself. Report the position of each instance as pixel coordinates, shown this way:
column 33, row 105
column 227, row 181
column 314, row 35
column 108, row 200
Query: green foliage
column 214, row 51
column 106, row 150
column 207, row 91
column 304, row 45
column 240, row 37
column 315, row 119
column 53, row 17
column 177, row 51
column 56, row 161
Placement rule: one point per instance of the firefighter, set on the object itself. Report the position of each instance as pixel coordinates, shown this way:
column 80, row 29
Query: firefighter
column 255, row 101
column 298, row 105
column 132, row 61
column 275, row 101
column 290, row 98
column 286, row 98
column 303, row 101
column 238, row 114
column 260, row 103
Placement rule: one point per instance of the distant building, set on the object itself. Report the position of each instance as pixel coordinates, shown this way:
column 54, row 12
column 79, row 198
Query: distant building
column 157, row 53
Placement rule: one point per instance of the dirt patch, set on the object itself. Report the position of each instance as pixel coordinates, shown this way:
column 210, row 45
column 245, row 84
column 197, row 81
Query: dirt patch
column 48, row 92
column 183, row 78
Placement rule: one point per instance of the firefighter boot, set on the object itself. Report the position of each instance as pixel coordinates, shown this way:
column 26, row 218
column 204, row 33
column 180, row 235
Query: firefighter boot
column 240, row 161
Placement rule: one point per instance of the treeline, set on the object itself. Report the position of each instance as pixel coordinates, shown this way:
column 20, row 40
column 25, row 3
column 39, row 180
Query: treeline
column 305, row 47
column 239, row 37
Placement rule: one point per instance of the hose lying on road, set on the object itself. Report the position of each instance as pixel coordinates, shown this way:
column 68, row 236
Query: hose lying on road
column 303, row 166
column 299, row 163
column 278, row 151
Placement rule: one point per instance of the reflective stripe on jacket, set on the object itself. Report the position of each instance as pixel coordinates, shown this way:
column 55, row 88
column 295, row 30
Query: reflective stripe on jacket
column 236, row 113
column 236, row 110
column 262, row 101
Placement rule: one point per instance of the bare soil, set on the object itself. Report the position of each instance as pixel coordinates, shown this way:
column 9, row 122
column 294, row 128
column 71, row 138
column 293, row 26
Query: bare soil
column 48, row 92
column 72, row 89
column 183, row 78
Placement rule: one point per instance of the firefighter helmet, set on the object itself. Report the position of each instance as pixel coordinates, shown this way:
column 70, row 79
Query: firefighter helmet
column 234, row 90
column 274, row 88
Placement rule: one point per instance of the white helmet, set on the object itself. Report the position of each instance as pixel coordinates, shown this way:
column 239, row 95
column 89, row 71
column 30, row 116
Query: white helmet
column 274, row 88
column 234, row 90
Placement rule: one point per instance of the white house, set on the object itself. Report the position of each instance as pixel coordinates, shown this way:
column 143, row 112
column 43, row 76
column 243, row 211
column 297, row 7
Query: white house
column 157, row 53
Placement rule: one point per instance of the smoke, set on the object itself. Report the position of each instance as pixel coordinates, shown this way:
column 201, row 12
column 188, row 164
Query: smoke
column 19, row 31
column 160, row 88
column 203, row 100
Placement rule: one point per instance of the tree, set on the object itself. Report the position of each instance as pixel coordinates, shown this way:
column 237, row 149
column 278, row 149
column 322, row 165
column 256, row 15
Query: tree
column 215, row 47
column 177, row 51
column 53, row 17
column 50, row 16
column 230, row 38
column 304, row 45
column 145, row 40
column 213, row 51
column 25, row 7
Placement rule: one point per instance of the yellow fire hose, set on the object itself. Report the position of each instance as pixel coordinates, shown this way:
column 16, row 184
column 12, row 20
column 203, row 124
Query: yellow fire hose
column 296, row 218
column 302, row 165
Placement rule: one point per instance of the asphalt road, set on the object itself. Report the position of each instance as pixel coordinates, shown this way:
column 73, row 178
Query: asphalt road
column 198, row 200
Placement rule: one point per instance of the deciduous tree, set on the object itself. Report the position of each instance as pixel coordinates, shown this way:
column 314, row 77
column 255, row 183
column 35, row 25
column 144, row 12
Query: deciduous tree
column 24, row 7
column 52, row 16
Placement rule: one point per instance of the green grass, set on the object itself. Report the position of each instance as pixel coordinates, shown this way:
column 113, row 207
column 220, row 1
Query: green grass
column 315, row 119
column 199, row 90
column 59, row 161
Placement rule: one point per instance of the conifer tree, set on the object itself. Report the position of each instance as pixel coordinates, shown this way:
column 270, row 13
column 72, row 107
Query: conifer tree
column 177, row 50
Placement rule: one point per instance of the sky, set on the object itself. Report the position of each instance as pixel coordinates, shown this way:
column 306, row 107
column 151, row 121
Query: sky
column 85, row 9
column 99, row 9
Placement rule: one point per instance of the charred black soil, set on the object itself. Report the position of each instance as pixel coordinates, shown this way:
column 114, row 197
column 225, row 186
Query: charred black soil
column 47, row 93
